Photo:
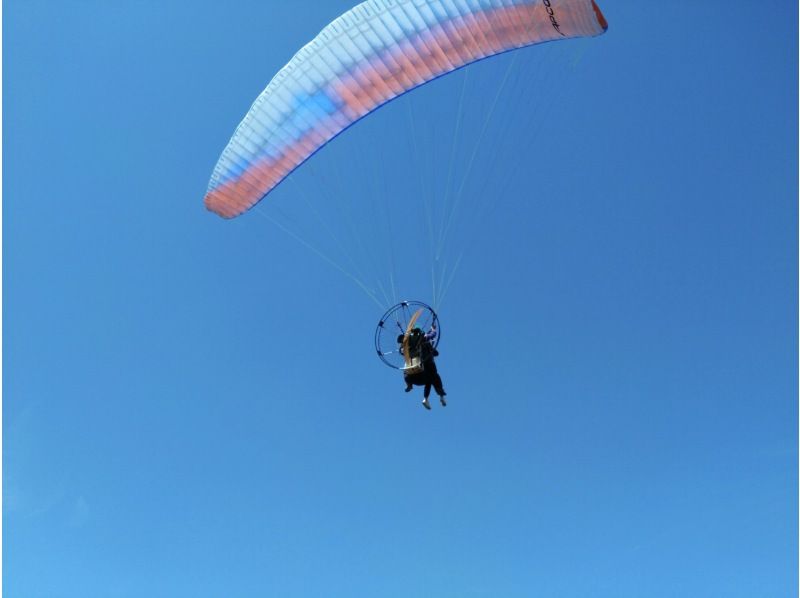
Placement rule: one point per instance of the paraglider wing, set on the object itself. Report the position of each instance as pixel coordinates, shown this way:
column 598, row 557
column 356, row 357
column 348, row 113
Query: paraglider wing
column 370, row 55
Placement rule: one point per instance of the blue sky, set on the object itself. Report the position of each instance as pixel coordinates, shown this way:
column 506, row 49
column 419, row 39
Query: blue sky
column 193, row 407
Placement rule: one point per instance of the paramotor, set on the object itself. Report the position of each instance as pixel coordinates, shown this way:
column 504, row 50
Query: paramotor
column 398, row 322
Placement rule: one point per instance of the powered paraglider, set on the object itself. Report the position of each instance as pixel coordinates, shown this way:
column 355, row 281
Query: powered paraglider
column 395, row 328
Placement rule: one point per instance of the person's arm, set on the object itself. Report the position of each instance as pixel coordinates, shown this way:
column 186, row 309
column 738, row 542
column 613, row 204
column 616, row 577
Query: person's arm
column 430, row 336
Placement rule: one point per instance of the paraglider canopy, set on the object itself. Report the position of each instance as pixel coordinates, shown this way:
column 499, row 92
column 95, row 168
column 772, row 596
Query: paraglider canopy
column 372, row 54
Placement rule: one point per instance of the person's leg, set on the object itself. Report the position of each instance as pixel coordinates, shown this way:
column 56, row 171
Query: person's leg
column 437, row 385
column 425, row 402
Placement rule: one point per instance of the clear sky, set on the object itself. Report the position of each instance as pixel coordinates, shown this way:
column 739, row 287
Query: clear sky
column 193, row 407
